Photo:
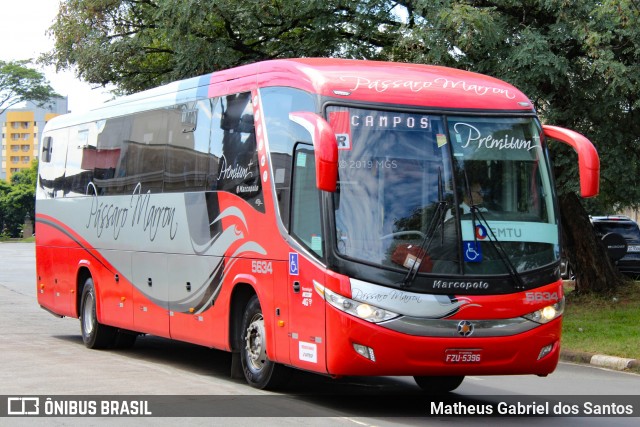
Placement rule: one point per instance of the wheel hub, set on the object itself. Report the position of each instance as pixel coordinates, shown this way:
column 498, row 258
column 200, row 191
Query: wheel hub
column 255, row 347
column 87, row 315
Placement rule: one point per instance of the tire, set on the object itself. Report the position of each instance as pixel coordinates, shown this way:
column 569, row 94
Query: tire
column 439, row 385
column 259, row 371
column 94, row 334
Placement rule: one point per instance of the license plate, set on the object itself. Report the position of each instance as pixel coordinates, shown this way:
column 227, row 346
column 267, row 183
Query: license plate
column 633, row 248
column 463, row 356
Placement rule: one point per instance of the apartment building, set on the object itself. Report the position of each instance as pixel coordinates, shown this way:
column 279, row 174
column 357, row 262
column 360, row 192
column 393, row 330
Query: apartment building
column 21, row 134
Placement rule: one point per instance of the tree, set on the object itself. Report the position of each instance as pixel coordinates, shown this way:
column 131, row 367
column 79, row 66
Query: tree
column 28, row 177
column 578, row 62
column 17, row 200
column 137, row 44
column 20, row 83
column 15, row 205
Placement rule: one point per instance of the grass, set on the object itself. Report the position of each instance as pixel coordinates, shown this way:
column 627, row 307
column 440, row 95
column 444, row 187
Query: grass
column 603, row 324
column 20, row 240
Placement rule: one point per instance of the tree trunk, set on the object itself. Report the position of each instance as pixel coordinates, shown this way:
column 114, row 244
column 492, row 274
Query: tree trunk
column 585, row 252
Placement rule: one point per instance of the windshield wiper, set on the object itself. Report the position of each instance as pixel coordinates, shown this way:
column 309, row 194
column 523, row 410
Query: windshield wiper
column 437, row 221
column 478, row 217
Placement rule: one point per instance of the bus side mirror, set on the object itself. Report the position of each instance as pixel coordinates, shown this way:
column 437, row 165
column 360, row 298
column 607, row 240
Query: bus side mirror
column 325, row 148
column 588, row 160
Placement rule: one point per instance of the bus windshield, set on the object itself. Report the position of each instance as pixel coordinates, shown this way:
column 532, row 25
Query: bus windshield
column 443, row 194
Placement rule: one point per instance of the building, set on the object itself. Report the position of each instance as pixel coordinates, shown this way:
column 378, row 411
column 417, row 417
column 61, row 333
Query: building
column 22, row 134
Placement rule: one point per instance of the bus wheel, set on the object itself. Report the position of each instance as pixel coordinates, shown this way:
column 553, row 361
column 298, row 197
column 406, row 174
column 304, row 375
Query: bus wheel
column 259, row 371
column 94, row 334
column 439, row 385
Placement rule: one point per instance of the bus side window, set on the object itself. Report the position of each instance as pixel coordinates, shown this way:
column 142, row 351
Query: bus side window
column 305, row 205
column 52, row 172
column 109, row 167
column 46, row 149
column 233, row 143
column 145, row 137
column 81, row 159
column 187, row 155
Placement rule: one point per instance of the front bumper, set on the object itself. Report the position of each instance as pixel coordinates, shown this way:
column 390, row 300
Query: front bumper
column 399, row 353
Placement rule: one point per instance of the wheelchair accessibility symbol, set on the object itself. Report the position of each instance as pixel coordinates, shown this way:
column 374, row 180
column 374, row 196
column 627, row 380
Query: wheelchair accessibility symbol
column 472, row 251
column 293, row 264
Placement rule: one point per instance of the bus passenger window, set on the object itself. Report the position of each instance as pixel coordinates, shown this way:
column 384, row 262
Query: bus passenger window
column 187, row 155
column 46, row 149
column 233, row 143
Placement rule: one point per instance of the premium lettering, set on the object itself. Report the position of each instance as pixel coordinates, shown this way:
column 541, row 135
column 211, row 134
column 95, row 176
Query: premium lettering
column 475, row 137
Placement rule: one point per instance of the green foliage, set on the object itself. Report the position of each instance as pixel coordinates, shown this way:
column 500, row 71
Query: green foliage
column 137, row 44
column 20, row 83
column 28, row 177
column 595, row 323
column 578, row 61
column 17, row 201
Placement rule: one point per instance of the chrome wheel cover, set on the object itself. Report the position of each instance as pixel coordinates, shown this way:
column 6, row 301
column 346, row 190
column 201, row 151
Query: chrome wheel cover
column 255, row 343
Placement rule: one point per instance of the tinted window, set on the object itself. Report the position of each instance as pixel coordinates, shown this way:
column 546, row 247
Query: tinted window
column 186, row 147
column 81, row 160
column 233, row 144
column 109, row 164
column 188, row 131
column 628, row 230
column 145, row 138
column 51, row 174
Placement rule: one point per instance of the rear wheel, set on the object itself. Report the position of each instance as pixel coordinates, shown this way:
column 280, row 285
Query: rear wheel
column 439, row 385
column 259, row 371
column 94, row 334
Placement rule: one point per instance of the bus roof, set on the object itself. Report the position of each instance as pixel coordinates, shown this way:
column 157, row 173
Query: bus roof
column 351, row 80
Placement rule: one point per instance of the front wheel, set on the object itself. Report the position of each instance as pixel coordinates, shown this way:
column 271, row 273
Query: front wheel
column 94, row 334
column 259, row 371
column 439, row 385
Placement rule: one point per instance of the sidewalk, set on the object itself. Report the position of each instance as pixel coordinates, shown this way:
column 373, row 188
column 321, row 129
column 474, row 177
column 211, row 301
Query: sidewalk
column 601, row 360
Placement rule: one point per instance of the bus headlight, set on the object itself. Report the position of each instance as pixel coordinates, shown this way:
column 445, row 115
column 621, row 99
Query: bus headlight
column 361, row 310
column 547, row 314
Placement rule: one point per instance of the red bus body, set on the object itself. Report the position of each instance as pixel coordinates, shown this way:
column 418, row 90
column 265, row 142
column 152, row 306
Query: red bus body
column 179, row 252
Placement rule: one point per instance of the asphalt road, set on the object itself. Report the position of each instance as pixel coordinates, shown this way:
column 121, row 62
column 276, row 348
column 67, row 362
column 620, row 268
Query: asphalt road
column 41, row 355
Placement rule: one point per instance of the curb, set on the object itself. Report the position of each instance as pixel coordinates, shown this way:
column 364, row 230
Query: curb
column 601, row 360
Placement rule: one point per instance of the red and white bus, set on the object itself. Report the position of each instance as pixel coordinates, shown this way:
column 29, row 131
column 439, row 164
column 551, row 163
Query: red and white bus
column 336, row 216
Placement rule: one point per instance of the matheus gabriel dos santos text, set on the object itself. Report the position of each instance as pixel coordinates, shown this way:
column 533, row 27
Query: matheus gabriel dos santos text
column 533, row 408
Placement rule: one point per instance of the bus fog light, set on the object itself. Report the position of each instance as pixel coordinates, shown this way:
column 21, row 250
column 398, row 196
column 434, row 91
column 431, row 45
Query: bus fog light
column 364, row 351
column 545, row 350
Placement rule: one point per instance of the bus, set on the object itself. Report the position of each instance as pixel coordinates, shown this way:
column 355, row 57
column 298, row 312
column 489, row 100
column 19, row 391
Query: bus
column 343, row 217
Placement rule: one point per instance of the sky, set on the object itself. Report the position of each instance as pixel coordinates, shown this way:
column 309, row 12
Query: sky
column 23, row 26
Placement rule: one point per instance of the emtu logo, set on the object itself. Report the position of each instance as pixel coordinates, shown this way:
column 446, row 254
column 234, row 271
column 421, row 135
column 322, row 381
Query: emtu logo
column 23, row 406
column 481, row 232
